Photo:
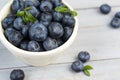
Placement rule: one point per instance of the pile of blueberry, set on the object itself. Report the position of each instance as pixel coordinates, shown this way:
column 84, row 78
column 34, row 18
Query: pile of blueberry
column 50, row 29
column 78, row 66
column 105, row 9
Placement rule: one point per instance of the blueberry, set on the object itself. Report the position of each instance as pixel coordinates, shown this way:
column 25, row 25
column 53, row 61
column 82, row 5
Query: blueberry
column 38, row 32
column 77, row 66
column 57, row 16
column 18, row 23
column 84, row 56
column 60, row 42
column 13, row 36
column 55, row 30
column 68, row 20
column 17, row 74
column 9, row 31
column 115, row 23
column 117, row 15
column 105, row 8
column 57, row 2
column 67, row 33
column 8, row 21
column 45, row 23
column 34, row 11
column 46, row 17
column 50, row 44
column 28, row 3
column 46, row 6
column 15, row 6
column 21, row 2
column 33, row 46
column 25, row 30
column 36, row 3
column 24, row 45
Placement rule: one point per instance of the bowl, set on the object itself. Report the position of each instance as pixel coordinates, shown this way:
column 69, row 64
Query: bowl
column 34, row 58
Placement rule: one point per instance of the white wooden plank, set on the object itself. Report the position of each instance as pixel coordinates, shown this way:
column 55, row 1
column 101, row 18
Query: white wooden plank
column 102, row 43
column 93, row 17
column 103, row 70
column 8, row 60
column 81, row 4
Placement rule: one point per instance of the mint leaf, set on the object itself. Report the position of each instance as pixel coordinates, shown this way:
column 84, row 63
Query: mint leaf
column 73, row 13
column 64, row 9
column 61, row 9
column 86, row 72
column 30, row 16
column 88, row 67
column 20, row 14
column 27, row 8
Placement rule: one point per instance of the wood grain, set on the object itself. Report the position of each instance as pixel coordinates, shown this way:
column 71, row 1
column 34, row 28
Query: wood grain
column 83, row 4
column 103, row 70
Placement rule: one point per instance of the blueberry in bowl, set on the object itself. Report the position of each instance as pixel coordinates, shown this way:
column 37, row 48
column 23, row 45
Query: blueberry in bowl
column 37, row 33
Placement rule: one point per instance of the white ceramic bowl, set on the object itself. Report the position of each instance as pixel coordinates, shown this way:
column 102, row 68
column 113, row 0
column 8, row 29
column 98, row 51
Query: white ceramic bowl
column 34, row 58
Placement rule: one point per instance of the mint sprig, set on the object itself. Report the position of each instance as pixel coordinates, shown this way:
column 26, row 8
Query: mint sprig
column 64, row 9
column 86, row 69
column 26, row 16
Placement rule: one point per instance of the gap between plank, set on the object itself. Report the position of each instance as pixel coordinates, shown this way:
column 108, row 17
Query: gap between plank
column 57, row 64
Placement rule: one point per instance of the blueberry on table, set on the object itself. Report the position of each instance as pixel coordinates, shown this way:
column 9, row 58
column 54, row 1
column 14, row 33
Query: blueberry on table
column 117, row 15
column 84, row 56
column 24, row 45
column 18, row 23
column 17, row 74
column 55, row 30
column 46, row 6
column 67, row 33
column 57, row 16
column 77, row 66
column 57, row 2
column 34, row 11
column 38, row 32
column 33, row 46
column 15, row 6
column 46, row 16
column 105, row 8
column 13, row 36
column 50, row 44
column 68, row 20
column 115, row 23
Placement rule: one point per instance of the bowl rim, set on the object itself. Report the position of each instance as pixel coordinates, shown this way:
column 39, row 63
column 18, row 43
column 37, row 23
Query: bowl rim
column 7, row 44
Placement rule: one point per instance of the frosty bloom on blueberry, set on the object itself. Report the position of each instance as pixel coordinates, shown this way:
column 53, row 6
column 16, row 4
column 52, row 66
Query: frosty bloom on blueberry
column 38, row 25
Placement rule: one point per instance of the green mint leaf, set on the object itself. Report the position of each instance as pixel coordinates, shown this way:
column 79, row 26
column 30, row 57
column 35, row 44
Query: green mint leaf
column 30, row 17
column 87, row 72
column 28, row 8
column 73, row 13
column 20, row 14
column 64, row 9
column 61, row 9
column 24, row 19
column 88, row 67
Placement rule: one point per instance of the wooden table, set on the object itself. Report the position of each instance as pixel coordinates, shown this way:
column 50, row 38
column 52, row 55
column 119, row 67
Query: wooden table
column 94, row 36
